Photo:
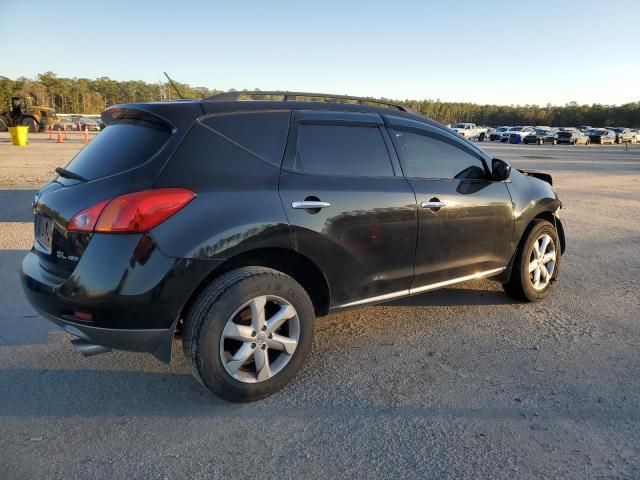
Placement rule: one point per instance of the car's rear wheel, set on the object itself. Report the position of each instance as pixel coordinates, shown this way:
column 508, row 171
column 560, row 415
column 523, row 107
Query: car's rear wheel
column 248, row 333
column 536, row 264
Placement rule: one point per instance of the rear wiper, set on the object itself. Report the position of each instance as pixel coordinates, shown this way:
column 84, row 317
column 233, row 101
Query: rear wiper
column 63, row 172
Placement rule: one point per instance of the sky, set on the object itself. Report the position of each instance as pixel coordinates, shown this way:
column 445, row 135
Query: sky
column 484, row 51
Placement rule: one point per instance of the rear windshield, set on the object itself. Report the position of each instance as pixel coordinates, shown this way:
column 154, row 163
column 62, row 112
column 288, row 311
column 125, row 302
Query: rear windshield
column 117, row 148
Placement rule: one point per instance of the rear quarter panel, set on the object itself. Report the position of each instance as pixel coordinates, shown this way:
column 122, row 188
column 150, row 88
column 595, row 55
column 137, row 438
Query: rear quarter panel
column 237, row 207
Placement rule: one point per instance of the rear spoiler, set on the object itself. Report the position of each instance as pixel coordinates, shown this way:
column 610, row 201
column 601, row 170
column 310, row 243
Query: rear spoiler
column 545, row 177
column 177, row 115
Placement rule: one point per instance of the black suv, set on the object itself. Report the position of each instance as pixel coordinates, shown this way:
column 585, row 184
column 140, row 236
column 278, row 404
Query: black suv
column 238, row 222
column 541, row 136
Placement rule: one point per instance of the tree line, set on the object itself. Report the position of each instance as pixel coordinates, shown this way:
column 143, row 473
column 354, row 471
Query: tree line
column 83, row 95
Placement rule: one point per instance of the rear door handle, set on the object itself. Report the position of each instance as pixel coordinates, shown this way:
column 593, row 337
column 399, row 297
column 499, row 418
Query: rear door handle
column 433, row 204
column 310, row 205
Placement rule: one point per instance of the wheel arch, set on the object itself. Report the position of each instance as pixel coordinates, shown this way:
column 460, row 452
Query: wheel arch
column 545, row 215
column 289, row 262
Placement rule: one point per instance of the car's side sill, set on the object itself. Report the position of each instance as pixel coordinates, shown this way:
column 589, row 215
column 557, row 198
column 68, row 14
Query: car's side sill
column 424, row 288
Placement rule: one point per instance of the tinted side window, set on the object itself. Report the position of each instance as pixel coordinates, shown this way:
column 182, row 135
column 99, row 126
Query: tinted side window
column 262, row 133
column 427, row 156
column 356, row 151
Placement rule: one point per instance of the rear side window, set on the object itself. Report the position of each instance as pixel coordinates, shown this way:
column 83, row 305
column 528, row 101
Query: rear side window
column 427, row 156
column 119, row 147
column 262, row 133
column 356, row 151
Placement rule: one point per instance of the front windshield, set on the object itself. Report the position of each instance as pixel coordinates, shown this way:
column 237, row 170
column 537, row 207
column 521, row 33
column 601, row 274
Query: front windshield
column 502, row 129
column 542, row 132
column 459, row 125
column 515, row 129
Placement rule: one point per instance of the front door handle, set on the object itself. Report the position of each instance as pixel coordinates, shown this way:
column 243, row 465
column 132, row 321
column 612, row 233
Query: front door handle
column 433, row 203
column 310, row 205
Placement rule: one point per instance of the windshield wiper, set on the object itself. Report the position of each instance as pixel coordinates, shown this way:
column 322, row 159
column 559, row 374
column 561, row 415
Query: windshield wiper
column 63, row 172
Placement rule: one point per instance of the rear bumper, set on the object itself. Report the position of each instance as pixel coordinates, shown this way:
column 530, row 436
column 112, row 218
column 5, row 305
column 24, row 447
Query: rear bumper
column 49, row 295
column 118, row 296
column 154, row 341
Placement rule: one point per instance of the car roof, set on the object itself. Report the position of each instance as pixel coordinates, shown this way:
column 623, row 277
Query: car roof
column 251, row 101
column 226, row 103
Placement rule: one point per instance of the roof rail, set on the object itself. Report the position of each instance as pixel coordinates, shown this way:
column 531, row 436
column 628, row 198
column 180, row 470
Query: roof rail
column 295, row 97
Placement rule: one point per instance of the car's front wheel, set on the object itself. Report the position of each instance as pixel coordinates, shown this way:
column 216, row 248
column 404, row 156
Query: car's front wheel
column 535, row 267
column 248, row 333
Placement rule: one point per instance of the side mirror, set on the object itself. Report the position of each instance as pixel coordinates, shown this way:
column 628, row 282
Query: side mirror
column 500, row 170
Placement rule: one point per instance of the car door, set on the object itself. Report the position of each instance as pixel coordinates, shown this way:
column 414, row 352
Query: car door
column 350, row 209
column 465, row 220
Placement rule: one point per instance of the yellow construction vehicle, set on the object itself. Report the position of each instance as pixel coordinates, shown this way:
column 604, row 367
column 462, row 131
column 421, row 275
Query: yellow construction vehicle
column 23, row 111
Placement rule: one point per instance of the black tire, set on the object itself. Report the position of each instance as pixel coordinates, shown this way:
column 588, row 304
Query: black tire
column 481, row 137
column 3, row 125
column 520, row 286
column 206, row 320
column 31, row 123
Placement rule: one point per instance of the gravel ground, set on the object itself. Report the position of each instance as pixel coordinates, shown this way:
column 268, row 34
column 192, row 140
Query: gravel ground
column 460, row 383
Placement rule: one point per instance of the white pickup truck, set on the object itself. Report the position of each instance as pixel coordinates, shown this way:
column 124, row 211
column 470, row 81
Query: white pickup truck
column 470, row 130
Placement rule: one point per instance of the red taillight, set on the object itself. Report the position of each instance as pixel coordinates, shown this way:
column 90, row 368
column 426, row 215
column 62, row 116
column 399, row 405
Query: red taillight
column 132, row 213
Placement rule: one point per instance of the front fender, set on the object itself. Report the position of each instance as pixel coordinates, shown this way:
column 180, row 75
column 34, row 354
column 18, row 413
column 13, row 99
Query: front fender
column 531, row 198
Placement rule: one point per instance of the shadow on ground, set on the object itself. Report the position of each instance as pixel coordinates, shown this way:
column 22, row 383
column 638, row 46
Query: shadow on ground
column 15, row 205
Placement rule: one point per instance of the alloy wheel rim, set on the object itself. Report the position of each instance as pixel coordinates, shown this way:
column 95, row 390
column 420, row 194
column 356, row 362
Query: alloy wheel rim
column 542, row 261
column 259, row 339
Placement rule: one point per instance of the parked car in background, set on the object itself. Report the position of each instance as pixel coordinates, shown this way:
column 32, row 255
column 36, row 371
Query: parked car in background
column 572, row 136
column 516, row 134
column 64, row 123
column 624, row 135
column 541, row 136
column 601, row 136
column 584, row 128
column 637, row 135
column 99, row 122
column 89, row 123
column 496, row 134
column 242, row 225
column 470, row 130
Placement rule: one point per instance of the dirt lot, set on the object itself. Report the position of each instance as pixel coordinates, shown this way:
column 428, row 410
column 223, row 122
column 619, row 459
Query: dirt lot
column 460, row 383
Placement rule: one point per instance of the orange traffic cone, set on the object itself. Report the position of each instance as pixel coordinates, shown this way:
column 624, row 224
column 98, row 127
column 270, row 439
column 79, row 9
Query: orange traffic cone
column 86, row 134
column 59, row 136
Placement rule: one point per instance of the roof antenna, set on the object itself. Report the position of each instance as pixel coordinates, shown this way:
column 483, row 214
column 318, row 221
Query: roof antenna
column 174, row 85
